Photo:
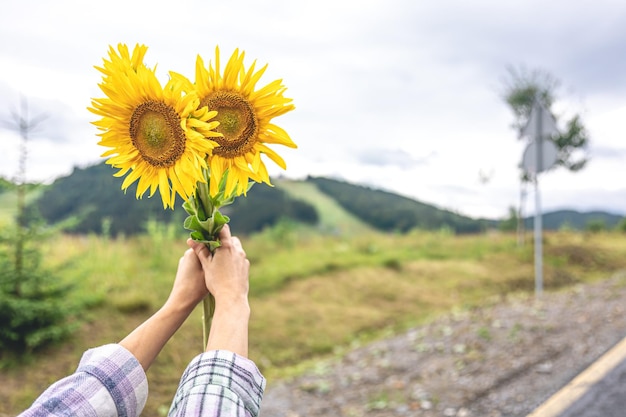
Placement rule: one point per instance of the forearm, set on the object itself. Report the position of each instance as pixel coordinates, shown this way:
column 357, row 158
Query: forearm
column 229, row 328
column 147, row 340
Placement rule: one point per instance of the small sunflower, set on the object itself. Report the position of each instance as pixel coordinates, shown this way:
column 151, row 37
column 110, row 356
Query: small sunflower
column 245, row 115
column 159, row 134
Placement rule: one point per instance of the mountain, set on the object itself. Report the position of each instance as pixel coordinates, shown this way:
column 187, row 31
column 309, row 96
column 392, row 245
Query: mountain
column 391, row 212
column 93, row 197
column 572, row 219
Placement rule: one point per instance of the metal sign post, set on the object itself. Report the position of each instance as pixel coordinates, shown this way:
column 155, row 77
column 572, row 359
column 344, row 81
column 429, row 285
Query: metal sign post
column 538, row 217
column 540, row 155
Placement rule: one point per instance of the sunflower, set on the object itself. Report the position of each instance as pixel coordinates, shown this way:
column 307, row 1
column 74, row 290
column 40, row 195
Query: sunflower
column 159, row 134
column 245, row 115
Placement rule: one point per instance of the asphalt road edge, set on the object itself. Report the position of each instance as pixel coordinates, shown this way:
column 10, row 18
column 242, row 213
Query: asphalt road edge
column 577, row 387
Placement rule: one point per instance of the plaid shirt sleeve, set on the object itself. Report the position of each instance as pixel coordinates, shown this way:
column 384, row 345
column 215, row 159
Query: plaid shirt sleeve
column 219, row 383
column 109, row 381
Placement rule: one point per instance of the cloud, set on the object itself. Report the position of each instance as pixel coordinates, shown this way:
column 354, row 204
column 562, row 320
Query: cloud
column 47, row 119
column 391, row 157
column 397, row 94
column 578, row 44
column 606, row 152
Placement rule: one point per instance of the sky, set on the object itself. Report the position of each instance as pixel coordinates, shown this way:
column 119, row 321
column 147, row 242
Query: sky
column 400, row 95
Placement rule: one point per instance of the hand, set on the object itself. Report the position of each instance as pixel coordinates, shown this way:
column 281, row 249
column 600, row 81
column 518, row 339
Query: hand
column 226, row 277
column 189, row 287
column 226, row 271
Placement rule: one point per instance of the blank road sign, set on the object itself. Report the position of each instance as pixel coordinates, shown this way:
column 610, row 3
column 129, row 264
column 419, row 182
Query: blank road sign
column 548, row 157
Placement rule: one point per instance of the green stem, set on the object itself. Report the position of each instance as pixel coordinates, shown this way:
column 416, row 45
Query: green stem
column 208, row 309
column 205, row 221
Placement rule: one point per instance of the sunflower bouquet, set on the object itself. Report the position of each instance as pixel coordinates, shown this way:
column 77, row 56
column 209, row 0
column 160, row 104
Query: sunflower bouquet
column 201, row 140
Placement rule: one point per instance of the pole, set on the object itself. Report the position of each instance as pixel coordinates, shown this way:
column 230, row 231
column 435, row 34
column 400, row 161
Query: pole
column 538, row 243
column 521, row 227
column 538, row 219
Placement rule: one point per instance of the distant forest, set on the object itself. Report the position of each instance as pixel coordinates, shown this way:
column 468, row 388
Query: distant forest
column 92, row 197
column 393, row 213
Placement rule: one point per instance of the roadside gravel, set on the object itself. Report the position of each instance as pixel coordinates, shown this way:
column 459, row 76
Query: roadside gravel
column 503, row 359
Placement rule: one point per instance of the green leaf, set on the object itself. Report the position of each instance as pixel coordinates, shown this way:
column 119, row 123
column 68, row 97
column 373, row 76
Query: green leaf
column 197, row 236
column 228, row 201
column 201, row 209
column 214, row 244
column 187, row 222
column 192, row 223
column 190, row 207
column 208, row 225
column 220, row 219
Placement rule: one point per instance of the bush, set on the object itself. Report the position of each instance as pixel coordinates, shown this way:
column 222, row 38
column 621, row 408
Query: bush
column 34, row 307
column 5, row 185
column 595, row 226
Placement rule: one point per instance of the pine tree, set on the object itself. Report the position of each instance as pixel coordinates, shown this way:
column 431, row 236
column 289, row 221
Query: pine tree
column 34, row 307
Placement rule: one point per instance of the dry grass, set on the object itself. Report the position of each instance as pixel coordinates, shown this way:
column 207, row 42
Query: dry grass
column 313, row 298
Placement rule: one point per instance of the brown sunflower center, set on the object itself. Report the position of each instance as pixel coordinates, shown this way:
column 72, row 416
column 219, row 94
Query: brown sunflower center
column 238, row 123
column 156, row 133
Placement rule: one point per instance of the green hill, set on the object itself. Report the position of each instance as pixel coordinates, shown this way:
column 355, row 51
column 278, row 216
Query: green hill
column 93, row 196
column 334, row 218
column 264, row 207
column 391, row 212
column 575, row 220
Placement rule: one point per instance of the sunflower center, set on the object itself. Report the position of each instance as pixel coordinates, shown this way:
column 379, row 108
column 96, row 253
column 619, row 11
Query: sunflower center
column 156, row 133
column 238, row 123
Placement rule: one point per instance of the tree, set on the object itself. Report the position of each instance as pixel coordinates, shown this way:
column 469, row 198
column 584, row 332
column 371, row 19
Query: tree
column 509, row 224
column 521, row 89
column 34, row 307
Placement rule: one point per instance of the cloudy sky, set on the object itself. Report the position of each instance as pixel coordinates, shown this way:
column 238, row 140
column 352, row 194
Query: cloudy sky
column 403, row 95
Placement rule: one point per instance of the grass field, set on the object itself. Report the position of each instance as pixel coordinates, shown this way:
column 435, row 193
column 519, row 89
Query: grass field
column 314, row 291
column 312, row 295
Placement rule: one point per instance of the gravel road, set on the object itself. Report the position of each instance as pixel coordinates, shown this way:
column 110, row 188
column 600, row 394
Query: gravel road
column 503, row 359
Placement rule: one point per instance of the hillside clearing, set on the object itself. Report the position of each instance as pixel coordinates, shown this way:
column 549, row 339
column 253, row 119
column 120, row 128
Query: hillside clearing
column 335, row 219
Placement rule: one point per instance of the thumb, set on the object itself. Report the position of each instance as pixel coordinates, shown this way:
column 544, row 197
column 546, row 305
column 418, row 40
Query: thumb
column 201, row 250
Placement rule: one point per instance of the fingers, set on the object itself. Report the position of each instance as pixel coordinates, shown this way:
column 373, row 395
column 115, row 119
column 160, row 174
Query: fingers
column 237, row 246
column 225, row 232
column 189, row 254
column 226, row 241
column 225, row 236
column 201, row 250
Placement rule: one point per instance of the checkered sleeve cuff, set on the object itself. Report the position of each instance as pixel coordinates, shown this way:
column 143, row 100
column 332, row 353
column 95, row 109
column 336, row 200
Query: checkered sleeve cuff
column 120, row 374
column 219, row 383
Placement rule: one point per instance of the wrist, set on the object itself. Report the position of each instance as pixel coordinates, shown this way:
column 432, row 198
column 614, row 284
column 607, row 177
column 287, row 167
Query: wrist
column 237, row 307
column 229, row 327
column 178, row 308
